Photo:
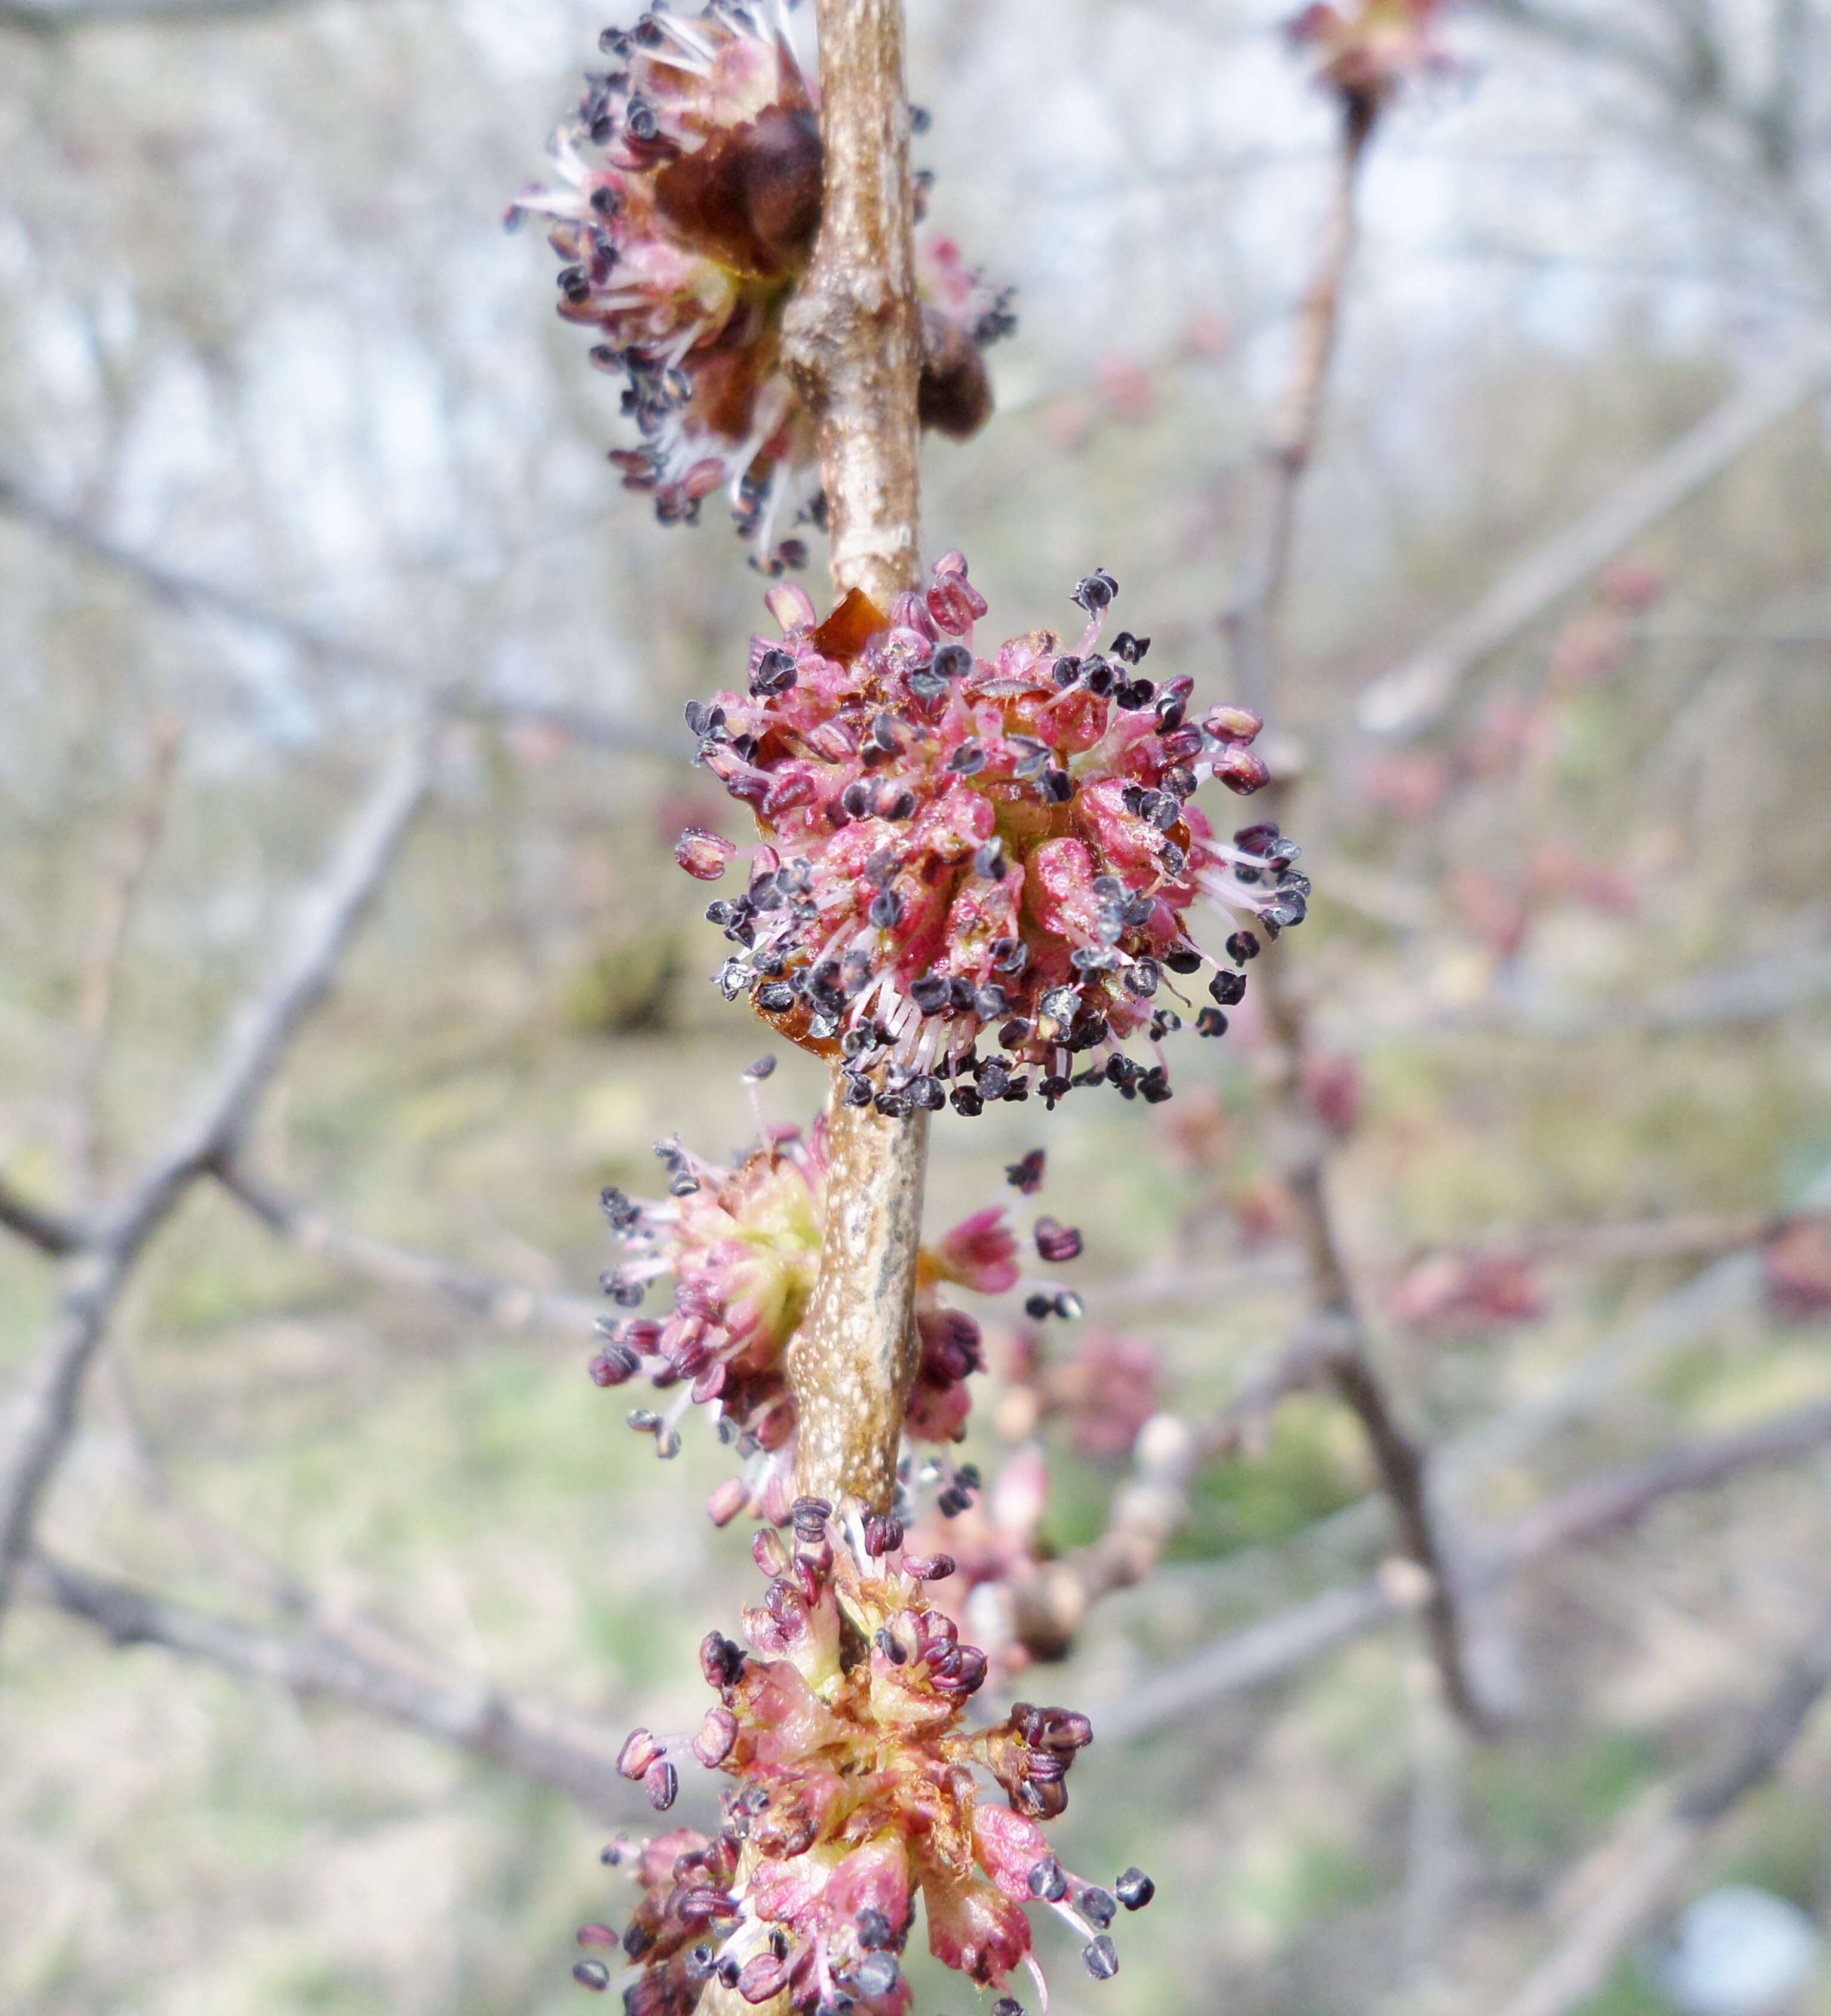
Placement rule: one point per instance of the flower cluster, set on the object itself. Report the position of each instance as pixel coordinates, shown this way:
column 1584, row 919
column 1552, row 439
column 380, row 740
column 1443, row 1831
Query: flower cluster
column 995, row 1543
column 1365, row 54
column 690, row 200
column 743, row 1247
column 960, row 849
column 859, row 1789
column 1796, row 1270
column 1105, row 1389
column 1457, row 1295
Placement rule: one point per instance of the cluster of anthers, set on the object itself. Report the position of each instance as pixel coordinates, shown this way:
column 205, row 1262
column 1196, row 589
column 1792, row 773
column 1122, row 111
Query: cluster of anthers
column 688, row 203
column 859, row 1788
column 742, row 1244
column 976, row 868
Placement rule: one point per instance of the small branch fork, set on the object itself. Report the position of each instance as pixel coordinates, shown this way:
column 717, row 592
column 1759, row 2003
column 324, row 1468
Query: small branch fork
column 1348, row 1364
column 1251, row 624
column 366, row 1669
column 42, row 1415
column 1594, row 1509
column 547, row 1746
column 1618, row 1904
column 853, row 341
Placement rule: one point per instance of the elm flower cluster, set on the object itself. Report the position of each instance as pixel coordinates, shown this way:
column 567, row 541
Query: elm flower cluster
column 689, row 201
column 1105, row 1389
column 1364, row 54
column 742, row 1244
column 976, row 869
column 859, row 1788
column 995, row 1544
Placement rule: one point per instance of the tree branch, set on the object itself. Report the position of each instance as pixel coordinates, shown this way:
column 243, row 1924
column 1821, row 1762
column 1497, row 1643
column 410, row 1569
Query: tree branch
column 546, row 1745
column 1416, row 691
column 65, row 17
column 505, row 1304
column 1592, row 1509
column 42, row 1414
column 1250, row 619
column 1592, row 35
column 1252, row 623
column 852, row 338
column 1587, row 1511
column 47, row 1230
column 96, row 1001
column 184, row 591
column 1623, row 1902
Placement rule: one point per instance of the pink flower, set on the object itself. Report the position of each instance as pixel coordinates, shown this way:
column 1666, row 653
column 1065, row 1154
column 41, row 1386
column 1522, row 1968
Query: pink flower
column 689, row 201
column 1458, row 1294
column 742, row 1247
column 1332, row 1089
column 1109, row 1387
column 1367, row 52
column 1796, row 1270
column 975, row 868
column 859, row 1788
column 980, row 1252
column 1105, row 1388
column 991, row 1542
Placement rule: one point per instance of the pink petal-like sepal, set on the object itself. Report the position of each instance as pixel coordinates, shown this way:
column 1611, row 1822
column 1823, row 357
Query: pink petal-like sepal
column 980, row 1252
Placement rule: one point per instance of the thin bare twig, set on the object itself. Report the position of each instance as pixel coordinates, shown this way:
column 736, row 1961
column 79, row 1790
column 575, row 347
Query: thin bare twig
column 853, row 341
column 184, row 591
column 1593, row 1509
column 547, row 1745
column 1252, row 622
column 1250, row 619
column 1618, row 1904
column 50, row 1231
column 1414, row 693
column 96, row 998
column 1434, row 1848
column 42, row 1415
column 1598, row 36
column 506, row 1303
column 1685, row 1236
column 66, row 17
column 1585, row 1512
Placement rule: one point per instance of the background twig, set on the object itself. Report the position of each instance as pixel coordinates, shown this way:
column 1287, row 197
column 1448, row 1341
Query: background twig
column 42, row 1415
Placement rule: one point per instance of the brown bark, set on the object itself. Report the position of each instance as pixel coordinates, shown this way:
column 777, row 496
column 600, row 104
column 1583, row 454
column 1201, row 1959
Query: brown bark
column 1252, row 621
column 1251, row 618
column 854, row 344
column 853, row 334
